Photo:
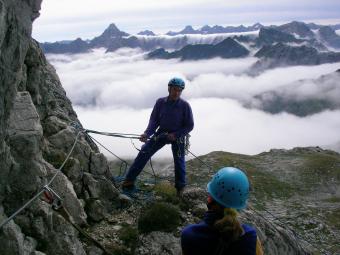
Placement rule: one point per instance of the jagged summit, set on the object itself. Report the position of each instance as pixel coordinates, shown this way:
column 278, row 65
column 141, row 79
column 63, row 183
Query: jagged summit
column 146, row 32
column 216, row 29
column 272, row 35
column 109, row 34
column 257, row 25
column 298, row 28
column 188, row 30
column 228, row 48
column 112, row 30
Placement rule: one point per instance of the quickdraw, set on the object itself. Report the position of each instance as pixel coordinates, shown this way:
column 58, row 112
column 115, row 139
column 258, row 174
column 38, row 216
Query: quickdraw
column 52, row 198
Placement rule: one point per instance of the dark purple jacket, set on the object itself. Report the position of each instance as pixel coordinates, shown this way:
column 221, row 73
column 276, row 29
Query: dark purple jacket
column 203, row 239
column 171, row 116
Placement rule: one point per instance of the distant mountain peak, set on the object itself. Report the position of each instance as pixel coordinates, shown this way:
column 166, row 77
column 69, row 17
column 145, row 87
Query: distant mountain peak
column 257, row 25
column 112, row 30
column 188, row 30
column 146, row 32
column 297, row 27
column 205, row 27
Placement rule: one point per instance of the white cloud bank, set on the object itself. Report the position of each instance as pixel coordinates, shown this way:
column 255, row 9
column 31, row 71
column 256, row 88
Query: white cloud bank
column 220, row 124
column 115, row 92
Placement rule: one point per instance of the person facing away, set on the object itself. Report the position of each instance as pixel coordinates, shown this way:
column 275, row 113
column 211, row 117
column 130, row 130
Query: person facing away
column 170, row 121
column 220, row 232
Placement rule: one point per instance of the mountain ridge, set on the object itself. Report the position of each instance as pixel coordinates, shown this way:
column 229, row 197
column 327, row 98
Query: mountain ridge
column 294, row 34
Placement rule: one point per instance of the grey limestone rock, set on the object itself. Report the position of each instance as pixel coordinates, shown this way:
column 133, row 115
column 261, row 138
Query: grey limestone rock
column 95, row 210
column 157, row 243
column 35, row 137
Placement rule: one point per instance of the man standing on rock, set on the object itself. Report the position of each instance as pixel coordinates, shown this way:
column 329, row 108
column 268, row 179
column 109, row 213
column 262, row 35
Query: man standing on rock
column 170, row 121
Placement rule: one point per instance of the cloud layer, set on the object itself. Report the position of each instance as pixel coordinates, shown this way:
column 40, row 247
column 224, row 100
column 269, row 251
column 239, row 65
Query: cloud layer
column 116, row 92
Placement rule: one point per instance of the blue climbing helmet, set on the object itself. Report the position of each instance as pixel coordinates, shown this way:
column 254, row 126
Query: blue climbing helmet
column 177, row 82
column 230, row 188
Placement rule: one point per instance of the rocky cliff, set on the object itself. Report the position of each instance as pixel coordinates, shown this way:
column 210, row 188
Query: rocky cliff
column 35, row 136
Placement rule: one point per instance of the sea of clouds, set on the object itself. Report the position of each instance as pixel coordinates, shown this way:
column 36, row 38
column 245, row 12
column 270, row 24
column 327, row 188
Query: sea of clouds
column 115, row 92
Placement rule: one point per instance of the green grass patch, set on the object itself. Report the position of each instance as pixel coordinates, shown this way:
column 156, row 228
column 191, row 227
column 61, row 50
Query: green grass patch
column 265, row 185
column 167, row 192
column 129, row 236
column 322, row 166
column 320, row 169
column 159, row 217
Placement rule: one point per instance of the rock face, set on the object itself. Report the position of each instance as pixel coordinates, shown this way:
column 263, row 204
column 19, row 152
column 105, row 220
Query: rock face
column 329, row 36
column 268, row 36
column 35, row 137
column 298, row 28
column 159, row 243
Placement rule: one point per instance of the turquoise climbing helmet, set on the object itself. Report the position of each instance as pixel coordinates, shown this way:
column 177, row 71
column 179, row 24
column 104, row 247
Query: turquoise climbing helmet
column 177, row 82
column 230, row 188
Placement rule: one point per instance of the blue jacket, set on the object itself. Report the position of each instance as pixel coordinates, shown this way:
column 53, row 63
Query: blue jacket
column 171, row 116
column 203, row 239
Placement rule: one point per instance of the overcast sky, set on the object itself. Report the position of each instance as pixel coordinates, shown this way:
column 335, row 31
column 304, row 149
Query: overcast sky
column 69, row 19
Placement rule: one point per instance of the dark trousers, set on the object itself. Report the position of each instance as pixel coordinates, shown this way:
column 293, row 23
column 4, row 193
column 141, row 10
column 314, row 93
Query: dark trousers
column 150, row 148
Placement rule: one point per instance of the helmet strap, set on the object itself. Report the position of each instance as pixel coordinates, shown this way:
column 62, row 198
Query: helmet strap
column 213, row 205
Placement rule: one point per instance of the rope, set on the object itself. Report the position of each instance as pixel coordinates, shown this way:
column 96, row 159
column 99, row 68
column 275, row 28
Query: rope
column 120, row 135
column 130, row 136
column 122, row 160
column 42, row 189
column 67, row 158
column 202, row 162
column 66, row 215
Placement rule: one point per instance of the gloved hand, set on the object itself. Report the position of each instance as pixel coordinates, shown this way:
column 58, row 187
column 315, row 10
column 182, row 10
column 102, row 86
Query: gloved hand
column 143, row 138
column 171, row 137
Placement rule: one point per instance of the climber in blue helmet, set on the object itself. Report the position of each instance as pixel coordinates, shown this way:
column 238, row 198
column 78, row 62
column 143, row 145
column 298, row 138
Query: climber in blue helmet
column 220, row 232
column 170, row 121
